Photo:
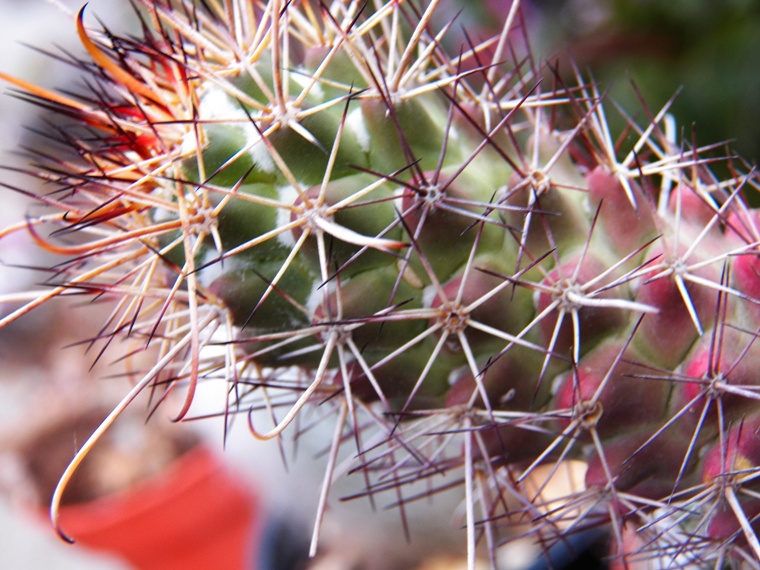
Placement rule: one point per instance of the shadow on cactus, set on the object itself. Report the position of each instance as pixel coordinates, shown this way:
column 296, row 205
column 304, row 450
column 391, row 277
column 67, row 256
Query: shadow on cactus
column 457, row 264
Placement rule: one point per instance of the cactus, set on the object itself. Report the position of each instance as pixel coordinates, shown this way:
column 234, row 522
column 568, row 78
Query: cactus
column 454, row 262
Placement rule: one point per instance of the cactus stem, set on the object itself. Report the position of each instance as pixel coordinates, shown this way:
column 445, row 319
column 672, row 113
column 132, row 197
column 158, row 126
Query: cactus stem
column 316, row 205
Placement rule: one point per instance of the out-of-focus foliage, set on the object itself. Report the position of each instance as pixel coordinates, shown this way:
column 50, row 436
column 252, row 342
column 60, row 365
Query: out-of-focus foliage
column 708, row 48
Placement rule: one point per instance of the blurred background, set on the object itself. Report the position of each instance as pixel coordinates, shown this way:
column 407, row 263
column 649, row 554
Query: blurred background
column 707, row 49
column 37, row 376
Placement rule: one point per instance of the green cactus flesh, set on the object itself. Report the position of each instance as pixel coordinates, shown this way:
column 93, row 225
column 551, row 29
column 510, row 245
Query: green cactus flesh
column 437, row 242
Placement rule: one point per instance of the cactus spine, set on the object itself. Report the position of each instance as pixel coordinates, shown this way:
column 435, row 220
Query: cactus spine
column 458, row 260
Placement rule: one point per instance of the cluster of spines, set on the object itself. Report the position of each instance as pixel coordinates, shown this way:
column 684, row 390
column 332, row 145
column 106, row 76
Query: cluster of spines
column 458, row 262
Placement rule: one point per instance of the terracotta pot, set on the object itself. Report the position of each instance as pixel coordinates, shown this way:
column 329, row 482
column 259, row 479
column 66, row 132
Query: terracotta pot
column 195, row 514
